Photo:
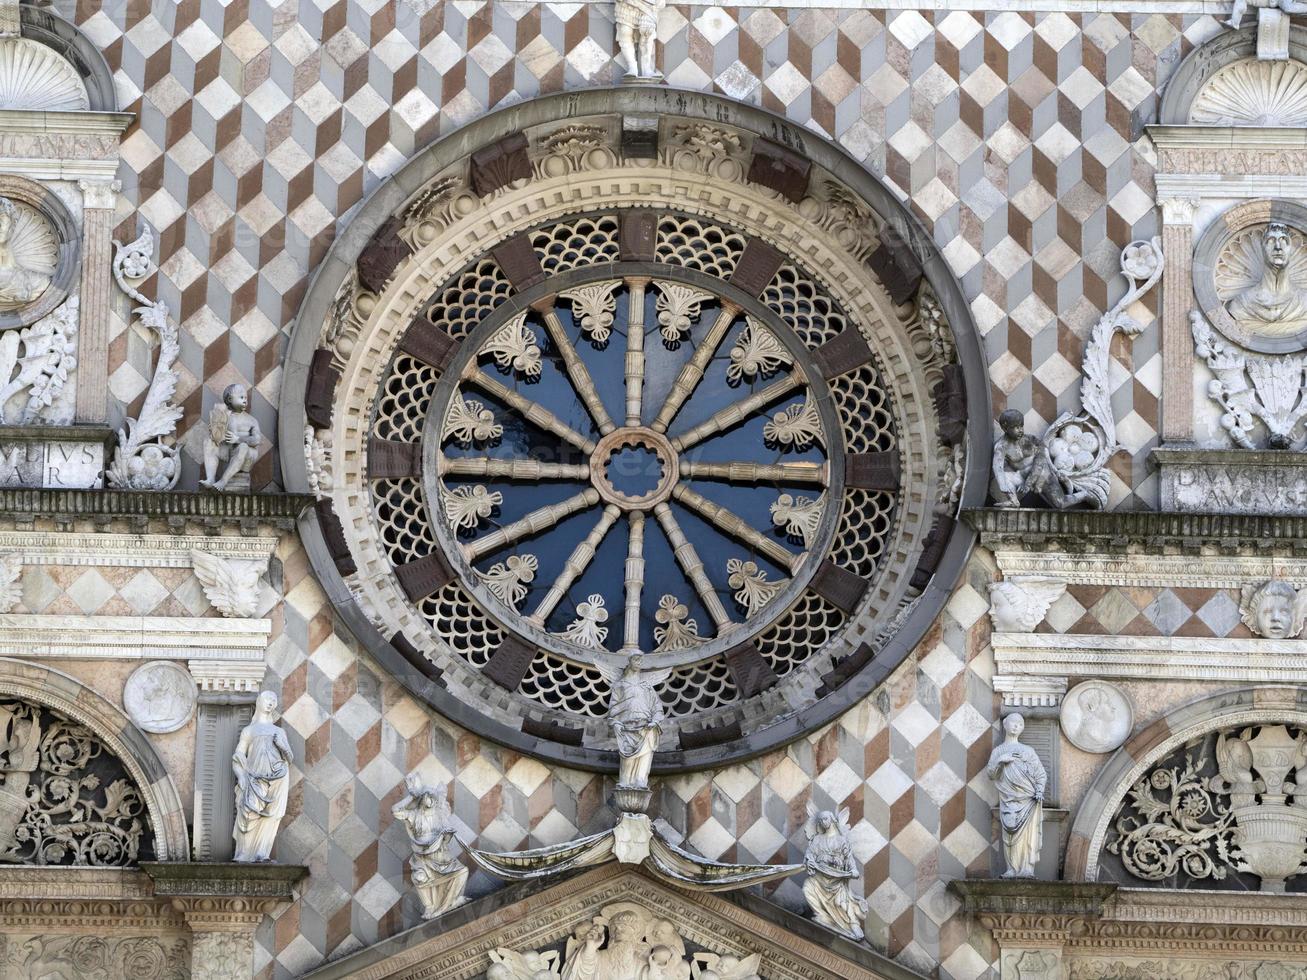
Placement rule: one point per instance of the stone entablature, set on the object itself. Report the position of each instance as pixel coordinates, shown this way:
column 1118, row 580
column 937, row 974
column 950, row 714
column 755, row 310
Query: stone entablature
column 1056, row 930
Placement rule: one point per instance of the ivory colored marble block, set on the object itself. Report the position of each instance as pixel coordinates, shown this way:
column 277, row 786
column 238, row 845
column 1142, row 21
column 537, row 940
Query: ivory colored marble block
column 1240, row 481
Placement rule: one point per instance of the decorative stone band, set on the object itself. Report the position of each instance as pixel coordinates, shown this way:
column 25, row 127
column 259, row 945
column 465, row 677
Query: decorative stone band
column 1058, row 656
column 133, row 638
column 66, row 548
column 179, row 510
column 1134, row 540
column 1098, row 930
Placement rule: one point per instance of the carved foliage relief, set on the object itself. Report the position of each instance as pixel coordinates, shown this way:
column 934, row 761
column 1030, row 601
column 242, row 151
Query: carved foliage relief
column 64, row 798
column 1223, row 811
column 138, row 957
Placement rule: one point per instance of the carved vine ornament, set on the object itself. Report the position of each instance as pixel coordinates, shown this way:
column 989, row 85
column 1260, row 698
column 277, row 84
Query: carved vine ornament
column 145, row 458
column 64, row 798
column 1231, row 802
column 1067, row 466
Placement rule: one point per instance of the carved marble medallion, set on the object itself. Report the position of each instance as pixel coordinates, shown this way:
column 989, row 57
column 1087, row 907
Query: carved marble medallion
column 1096, row 717
column 160, row 696
column 29, row 253
column 1250, row 276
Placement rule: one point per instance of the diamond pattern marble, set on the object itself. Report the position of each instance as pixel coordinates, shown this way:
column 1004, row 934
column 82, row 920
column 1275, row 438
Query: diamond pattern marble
column 1016, row 138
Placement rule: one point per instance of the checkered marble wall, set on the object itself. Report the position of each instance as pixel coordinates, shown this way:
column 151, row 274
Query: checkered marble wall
column 908, row 763
column 1015, row 137
column 1146, row 611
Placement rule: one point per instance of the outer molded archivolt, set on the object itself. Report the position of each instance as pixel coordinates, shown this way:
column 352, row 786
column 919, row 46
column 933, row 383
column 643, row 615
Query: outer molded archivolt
column 1185, row 92
column 751, row 208
column 65, row 694
column 1246, row 706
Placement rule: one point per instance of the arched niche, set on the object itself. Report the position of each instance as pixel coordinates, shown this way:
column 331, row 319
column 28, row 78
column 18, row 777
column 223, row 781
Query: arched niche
column 1229, row 710
column 1222, row 83
column 53, row 689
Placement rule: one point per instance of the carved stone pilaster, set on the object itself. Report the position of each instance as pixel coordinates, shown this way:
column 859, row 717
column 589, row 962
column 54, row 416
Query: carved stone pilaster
column 1031, row 920
column 221, row 955
column 223, row 905
column 1177, row 340
column 99, row 199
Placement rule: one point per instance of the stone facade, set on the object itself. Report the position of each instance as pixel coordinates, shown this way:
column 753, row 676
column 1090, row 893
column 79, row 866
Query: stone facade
column 406, row 228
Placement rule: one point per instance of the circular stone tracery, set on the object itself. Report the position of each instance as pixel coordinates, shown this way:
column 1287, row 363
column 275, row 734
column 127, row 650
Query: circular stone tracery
column 634, row 468
column 683, row 564
column 436, row 352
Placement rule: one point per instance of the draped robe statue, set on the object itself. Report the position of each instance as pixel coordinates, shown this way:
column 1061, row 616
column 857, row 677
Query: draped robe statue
column 1020, row 778
column 438, row 877
column 262, row 766
column 635, row 715
column 832, row 870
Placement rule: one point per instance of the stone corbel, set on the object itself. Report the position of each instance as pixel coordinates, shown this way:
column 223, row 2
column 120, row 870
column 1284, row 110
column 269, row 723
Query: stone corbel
column 1031, row 921
column 99, row 201
column 223, row 904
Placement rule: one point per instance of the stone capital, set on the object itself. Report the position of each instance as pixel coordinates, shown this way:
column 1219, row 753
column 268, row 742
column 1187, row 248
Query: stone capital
column 1178, row 210
column 100, row 194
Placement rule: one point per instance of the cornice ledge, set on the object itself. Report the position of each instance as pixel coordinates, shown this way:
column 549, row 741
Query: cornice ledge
column 195, row 879
column 1025, row 896
column 1123, row 532
column 1172, row 137
column 208, row 510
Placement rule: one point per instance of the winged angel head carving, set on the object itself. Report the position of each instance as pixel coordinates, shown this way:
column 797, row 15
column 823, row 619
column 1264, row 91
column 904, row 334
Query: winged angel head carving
column 1274, row 609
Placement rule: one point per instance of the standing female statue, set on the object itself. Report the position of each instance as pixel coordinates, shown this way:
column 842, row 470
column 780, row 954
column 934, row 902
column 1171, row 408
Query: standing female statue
column 262, row 766
column 1020, row 778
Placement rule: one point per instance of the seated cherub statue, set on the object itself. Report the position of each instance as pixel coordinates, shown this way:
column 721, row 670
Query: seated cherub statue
column 233, row 438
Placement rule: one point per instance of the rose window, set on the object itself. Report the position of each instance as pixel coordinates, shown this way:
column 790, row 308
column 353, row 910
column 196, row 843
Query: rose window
column 635, row 464
column 567, row 405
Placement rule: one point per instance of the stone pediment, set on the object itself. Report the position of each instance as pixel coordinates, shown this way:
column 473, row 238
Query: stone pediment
column 528, row 917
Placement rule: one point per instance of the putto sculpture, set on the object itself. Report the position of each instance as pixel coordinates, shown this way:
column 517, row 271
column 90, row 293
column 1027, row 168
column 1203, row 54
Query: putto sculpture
column 438, row 878
column 1274, row 609
column 1018, row 605
column 637, row 35
column 1020, row 779
column 832, row 871
column 262, row 766
column 232, row 437
column 1067, row 466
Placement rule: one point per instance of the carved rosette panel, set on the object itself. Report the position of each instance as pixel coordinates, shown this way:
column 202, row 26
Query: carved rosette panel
column 614, row 425
column 64, row 799
column 1223, row 811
